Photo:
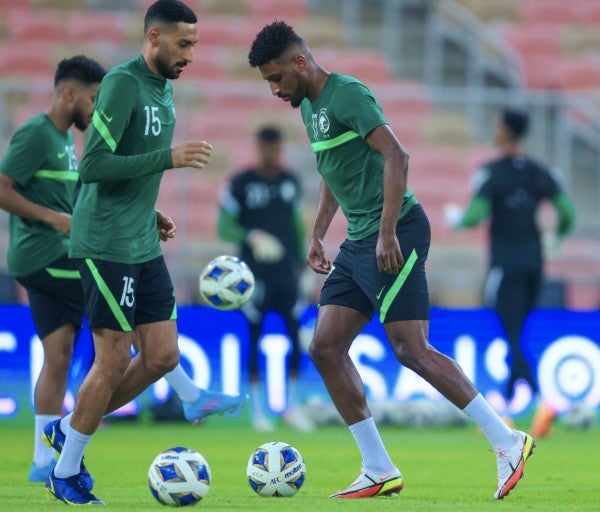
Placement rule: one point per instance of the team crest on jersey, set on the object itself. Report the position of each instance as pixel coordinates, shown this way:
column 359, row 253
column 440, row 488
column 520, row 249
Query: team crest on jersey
column 320, row 122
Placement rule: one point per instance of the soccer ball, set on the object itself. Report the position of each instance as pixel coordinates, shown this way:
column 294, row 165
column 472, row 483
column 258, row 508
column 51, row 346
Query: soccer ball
column 580, row 416
column 276, row 469
column 179, row 477
column 226, row 283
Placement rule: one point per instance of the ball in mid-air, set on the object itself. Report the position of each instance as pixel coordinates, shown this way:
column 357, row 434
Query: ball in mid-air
column 226, row 283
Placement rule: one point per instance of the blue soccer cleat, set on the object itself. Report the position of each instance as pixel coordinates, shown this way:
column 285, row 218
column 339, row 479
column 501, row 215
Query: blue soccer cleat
column 41, row 474
column 211, row 402
column 72, row 490
column 54, row 437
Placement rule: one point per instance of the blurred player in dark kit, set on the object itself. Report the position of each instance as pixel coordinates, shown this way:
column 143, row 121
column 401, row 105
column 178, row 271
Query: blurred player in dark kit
column 509, row 191
column 260, row 211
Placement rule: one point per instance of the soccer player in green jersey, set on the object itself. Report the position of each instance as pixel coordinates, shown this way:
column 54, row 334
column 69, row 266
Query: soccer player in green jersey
column 127, row 287
column 380, row 267
column 38, row 178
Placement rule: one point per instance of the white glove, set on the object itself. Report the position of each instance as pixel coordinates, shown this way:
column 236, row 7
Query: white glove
column 550, row 245
column 266, row 248
column 453, row 215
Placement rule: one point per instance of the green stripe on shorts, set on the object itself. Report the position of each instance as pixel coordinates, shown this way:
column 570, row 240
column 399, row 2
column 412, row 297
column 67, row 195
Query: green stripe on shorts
column 174, row 312
column 108, row 296
column 61, row 273
column 389, row 297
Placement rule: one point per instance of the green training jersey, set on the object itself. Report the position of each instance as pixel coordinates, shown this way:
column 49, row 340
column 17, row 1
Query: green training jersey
column 42, row 161
column 127, row 150
column 337, row 123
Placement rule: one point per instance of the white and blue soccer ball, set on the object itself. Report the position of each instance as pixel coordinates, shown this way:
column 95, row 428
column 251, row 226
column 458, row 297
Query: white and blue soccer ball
column 579, row 416
column 276, row 469
column 226, row 283
column 179, row 477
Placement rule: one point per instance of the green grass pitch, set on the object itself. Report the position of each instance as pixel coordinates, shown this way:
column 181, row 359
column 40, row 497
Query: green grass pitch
column 444, row 469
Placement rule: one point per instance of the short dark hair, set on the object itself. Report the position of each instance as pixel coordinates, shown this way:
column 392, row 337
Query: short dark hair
column 516, row 122
column 272, row 42
column 168, row 12
column 80, row 68
column 269, row 133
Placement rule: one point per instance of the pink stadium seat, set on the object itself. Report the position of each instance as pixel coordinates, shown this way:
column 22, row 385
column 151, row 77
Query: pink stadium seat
column 369, row 66
column 563, row 73
column 281, row 10
column 206, row 65
column 589, row 12
column 100, row 26
column 551, row 11
column 534, row 38
column 218, row 124
column 24, row 26
column 227, row 31
column 29, row 60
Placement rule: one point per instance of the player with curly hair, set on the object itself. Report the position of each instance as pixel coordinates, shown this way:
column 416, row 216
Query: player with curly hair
column 380, row 267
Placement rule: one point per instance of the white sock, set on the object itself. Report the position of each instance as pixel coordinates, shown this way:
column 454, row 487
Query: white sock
column 375, row 456
column 490, row 423
column 65, row 423
column 182, row 384
column 69, row 462
column 42, row 454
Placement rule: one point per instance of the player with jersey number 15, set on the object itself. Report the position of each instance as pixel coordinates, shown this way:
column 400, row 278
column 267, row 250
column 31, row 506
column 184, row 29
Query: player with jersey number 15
column 127, row 288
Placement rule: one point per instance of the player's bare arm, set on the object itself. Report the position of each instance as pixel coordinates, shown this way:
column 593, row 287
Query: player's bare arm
column 165, row 225
column 13, row 202
column 191, row 154
column 326, row 208
column 395, row 170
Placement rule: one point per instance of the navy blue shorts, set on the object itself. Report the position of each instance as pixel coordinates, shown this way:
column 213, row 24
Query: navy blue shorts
column 55, row 296
column 355, row 281
column 119, row 296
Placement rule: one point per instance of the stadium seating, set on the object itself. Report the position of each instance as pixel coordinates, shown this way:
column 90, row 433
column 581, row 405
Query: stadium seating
column 221, row 99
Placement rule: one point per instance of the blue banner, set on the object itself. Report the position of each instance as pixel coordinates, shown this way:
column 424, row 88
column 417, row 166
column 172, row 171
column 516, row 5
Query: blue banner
column 562, row 346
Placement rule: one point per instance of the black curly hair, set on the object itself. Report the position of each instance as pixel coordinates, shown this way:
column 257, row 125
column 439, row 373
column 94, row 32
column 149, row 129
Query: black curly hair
column 272, row 42
column 80, row 68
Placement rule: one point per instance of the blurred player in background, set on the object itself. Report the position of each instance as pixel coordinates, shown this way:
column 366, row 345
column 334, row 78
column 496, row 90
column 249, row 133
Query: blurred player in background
column 381, row 265
column 260, row 211
column 127, row 287
column 38, row 178
column 509, row 191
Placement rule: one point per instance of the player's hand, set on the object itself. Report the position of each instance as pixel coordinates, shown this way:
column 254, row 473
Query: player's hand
column 61, row 222
column 266, row 248
column 166, row 226
column 453, row 215
column 191, row 154
column 389, row 254
column 315, row 257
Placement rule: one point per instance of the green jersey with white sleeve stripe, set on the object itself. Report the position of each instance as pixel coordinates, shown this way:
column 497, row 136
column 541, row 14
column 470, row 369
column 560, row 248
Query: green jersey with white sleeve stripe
column 337, row 123
column 41, row 159
column 127, row 150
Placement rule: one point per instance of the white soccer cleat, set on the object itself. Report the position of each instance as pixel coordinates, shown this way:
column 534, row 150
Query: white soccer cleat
column 511, row 463
column 369, row 485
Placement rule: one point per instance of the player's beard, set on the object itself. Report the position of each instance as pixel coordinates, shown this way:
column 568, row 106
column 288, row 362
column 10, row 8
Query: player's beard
column 80, row 121
column 168, row 70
